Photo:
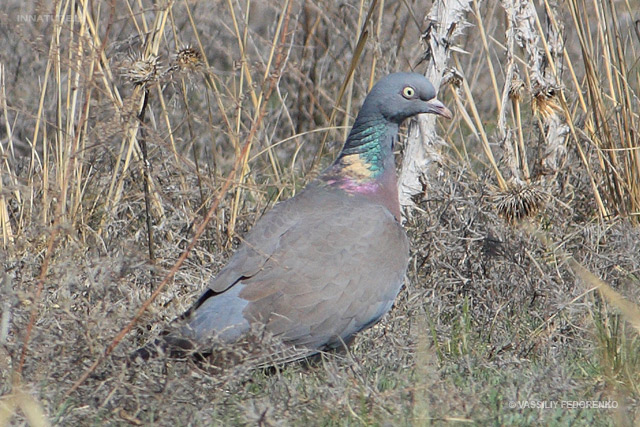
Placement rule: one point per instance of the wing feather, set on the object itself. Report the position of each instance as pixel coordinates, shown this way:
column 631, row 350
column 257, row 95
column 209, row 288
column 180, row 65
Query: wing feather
column 318, row 268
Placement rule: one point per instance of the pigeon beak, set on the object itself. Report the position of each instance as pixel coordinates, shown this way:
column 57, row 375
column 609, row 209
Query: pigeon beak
column 436, row 107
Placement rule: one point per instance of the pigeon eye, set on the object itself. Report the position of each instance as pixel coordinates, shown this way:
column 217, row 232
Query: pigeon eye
column 408, row 92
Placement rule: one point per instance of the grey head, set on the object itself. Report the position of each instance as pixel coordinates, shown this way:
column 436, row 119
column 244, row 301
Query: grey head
column 399, row 96
column 392, row 100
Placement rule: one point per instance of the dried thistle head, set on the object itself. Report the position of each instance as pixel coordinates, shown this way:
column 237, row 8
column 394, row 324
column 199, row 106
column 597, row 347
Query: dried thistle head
column 189, row 59
column 141, row 71
column 519, row 201
column 516, row 88
column 545, row 100
column 451, row 76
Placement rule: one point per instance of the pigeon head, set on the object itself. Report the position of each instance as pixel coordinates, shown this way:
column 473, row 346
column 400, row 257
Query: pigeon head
column 399, row 96
column 366, row 163
column 393, row 99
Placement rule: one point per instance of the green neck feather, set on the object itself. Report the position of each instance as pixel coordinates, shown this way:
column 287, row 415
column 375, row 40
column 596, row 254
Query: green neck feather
column 371, row 141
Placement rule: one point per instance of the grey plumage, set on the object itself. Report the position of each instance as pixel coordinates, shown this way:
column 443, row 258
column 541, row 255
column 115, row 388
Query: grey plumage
column 329, row 262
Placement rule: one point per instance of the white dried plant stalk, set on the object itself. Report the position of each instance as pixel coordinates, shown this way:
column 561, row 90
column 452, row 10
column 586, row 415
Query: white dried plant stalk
column 556, row 147
column 543, row 87
column 506, row 135
column 422, row 149
column 556, row 128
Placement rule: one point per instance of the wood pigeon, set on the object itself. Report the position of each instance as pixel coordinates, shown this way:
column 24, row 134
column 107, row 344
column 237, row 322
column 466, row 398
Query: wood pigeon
column 329, row 262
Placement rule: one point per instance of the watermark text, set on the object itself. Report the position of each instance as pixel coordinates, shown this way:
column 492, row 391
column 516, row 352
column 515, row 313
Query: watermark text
column 38, row 17
column 563, row 404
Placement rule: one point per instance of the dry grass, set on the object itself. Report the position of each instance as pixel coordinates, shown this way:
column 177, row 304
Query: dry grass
column 136, row 135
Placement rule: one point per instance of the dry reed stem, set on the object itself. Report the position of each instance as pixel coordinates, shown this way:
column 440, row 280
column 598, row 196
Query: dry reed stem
column 374, row 57
column 502, row 184
column 240, row 159
column 270, row 75
column 485, row 47
column 70, row 161
column 622, row 187
column 5, row 224
column 355, row 59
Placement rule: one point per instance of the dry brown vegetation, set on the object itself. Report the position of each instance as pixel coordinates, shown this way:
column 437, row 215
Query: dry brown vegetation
column 140, row 140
